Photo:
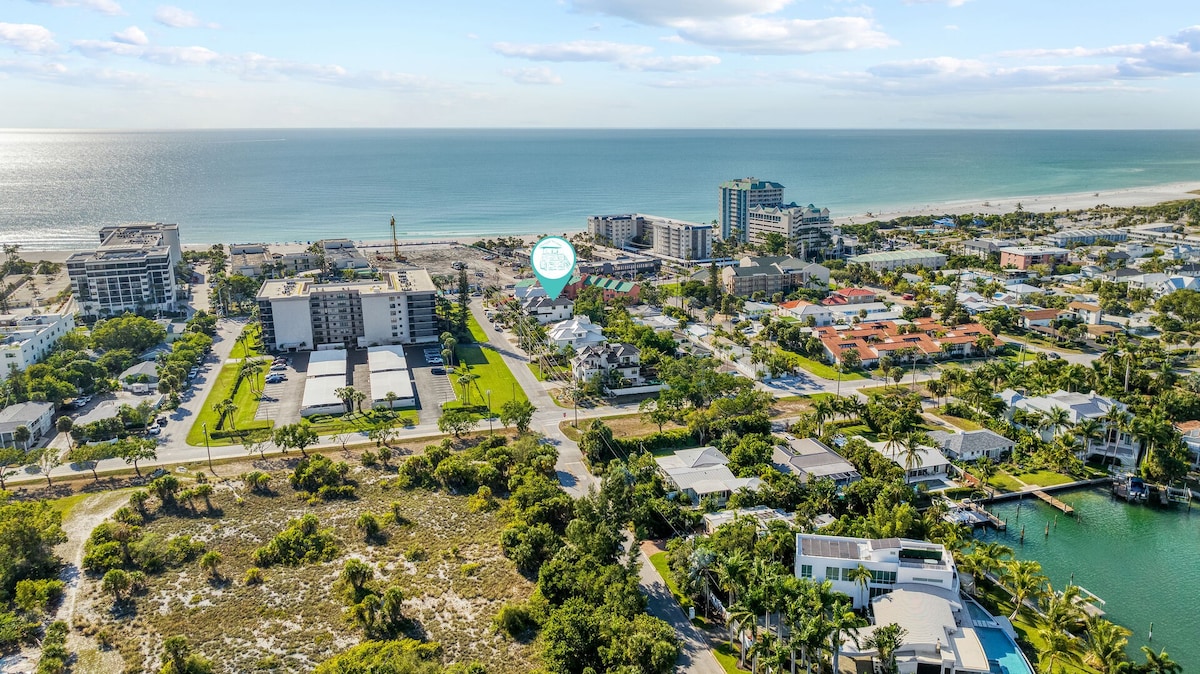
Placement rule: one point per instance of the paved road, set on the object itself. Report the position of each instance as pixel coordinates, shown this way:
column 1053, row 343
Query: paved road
column 695, row 656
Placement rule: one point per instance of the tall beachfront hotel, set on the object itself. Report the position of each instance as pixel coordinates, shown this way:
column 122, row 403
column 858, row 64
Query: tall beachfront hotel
column 739, row 196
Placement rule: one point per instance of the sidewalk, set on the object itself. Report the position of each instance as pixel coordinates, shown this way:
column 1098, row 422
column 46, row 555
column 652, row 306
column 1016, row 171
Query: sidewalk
column 695, row 656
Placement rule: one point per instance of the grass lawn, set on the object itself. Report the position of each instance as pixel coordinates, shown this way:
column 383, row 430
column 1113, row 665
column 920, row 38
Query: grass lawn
column 959, row 422
column 493, row 375
column 727, row 657
column 659, row 560
column 822, row 370
column 64, row 505
column 860, row 430
column 1005, row 482
column 1045, row 478
column 244, row 398
column 477, row 332
column 537, row 372
column 247, row 345
column 359, row 423
column 999, row 602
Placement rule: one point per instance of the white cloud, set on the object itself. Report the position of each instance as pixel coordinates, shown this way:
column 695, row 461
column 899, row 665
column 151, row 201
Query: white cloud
column 579, row 50
column 189, row 56
column 175, row 17
column 670, row 12
column 1160, row 57
column 108, row 7
column 28, row 37
column 537, row 76
column 671, row 64
column 753, row 35
column 950, row 26
column 101, row 48
column 131, row 35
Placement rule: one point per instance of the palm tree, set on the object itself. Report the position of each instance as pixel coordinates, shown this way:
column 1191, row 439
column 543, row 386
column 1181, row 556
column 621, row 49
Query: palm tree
column 211, row 562
column 912, row 443
column 886, row 640
column 22, row 434
column 1089, row 431
column 843, row 620
column 225, row 410
column 1058, row 418
column 740, row 616
column 1025, row 581
column 357, row 573
column 1063, row 611
column 824, row 410
column 731, row 573
column 1159, row 663
column 1056, row 647
column 861, row 576
column 464, row 381
column 1104, row 644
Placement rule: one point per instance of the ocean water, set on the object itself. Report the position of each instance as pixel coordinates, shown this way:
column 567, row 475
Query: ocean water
column 58, row 188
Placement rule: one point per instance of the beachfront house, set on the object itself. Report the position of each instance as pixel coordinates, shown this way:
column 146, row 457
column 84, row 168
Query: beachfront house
column 1112, row 442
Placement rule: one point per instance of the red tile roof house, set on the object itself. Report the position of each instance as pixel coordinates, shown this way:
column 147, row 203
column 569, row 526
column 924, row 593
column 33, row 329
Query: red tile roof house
column 929, row 339
column 849, row 296
column 1039, row 317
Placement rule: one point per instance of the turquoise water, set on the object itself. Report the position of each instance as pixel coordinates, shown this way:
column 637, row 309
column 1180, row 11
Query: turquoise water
column 977, row 612
column 1002, row 653
column 58, row 188
column 1144, row 562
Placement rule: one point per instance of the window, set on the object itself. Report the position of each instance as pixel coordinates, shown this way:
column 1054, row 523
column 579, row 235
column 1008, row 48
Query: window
column 806, row 571
column 832, row 573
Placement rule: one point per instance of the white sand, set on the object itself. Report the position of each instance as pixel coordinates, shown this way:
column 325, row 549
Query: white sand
column 1133, row 196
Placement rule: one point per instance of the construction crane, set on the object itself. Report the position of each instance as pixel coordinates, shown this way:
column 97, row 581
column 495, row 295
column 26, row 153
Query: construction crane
column 395, row 243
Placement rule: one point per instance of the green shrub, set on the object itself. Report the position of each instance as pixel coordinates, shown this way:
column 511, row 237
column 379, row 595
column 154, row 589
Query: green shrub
column 415, row 554
column 254, row 576
column 302, row 542
column 38, row 596
column 319, row 475
column 515, row 620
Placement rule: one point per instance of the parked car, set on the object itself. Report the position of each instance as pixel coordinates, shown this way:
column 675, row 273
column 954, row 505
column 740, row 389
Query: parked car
column 276, row 379
column 278, row 367
column 161, row 421
column 153, row 430
column 438, row 370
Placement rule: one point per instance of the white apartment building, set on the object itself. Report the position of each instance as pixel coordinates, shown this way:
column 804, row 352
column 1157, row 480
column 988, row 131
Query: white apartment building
column 654, row 235
column 806, row 228
column 38, row 417
column 895, row 259
column 132, row 270
column 1115, row 444
column 738, row 197
column 890, row 561
column 300, row 315
column 25, row 340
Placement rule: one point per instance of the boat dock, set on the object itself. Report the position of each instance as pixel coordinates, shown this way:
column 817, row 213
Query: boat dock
column 1054, row 502
column 986, row 516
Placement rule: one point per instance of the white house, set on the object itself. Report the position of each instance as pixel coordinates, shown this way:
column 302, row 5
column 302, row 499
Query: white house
column 890, row 561
column 802, row 311
column 941, row 633
column 546, row 310
column 1113, row 444
column 929, row 463
column 38, row 417
column 703, row 473
column 972, row 445
column 618, row 365
column 577, row 332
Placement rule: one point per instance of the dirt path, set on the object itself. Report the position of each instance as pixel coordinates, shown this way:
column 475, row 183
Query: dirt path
column 83, row 518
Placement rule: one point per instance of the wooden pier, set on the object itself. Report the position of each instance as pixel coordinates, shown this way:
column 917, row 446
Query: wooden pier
column 1054, row 502
column 996, row 522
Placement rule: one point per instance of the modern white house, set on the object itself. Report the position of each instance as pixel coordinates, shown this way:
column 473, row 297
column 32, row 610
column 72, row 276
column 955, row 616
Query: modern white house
column 891, row 561
column 25, row 340
column 973, row 445
column 761, row 515
column 703, row 473
column 1115, row 444
column 547, row 310
column 38, row 417
column 578, row 332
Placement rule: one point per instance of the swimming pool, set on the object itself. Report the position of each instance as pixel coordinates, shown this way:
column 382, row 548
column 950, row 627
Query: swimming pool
column 978, row 612
column 1002, row 653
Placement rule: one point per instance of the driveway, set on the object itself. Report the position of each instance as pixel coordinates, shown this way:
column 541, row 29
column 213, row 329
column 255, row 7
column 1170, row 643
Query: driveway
column 281, row 402
column 432, row 389
column 695, row 656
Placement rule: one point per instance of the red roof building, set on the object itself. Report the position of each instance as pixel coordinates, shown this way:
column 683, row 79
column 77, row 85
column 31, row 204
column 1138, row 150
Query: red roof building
column 923, row 338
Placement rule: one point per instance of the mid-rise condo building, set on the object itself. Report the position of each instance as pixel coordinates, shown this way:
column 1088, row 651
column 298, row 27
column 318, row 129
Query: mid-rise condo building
column 132, row 270
column 300, row 315
column 738, row 197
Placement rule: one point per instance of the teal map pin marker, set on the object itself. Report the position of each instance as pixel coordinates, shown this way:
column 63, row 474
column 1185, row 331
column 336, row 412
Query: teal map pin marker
column 553, row 262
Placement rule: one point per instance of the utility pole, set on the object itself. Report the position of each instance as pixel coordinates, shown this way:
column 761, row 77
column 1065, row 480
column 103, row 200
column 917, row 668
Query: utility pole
column 207, row 449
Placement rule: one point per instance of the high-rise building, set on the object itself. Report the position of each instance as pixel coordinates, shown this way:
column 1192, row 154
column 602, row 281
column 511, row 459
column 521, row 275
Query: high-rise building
column 739, row 196
column 807, row 228
column 299, row 315
column 654, row 235
column 132, row 270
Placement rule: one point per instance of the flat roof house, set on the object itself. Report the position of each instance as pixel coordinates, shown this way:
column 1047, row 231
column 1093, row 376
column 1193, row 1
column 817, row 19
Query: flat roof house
column 890, row 560
column 895, row 259
column 1024, row 257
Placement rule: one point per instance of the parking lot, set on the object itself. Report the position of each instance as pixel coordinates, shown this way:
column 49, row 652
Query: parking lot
column 432, row 389
column 281, row 401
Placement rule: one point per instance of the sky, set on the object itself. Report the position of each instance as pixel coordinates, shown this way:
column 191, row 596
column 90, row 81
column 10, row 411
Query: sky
column 1060, row 64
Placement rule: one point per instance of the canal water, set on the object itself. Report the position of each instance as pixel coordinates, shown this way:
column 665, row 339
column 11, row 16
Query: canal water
column 1144, row 562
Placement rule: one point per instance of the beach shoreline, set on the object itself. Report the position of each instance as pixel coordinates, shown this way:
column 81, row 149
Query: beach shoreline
column 1125, row 197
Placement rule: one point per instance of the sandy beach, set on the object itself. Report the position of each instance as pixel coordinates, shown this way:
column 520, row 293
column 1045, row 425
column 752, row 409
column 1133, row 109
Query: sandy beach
column 1132, row 196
